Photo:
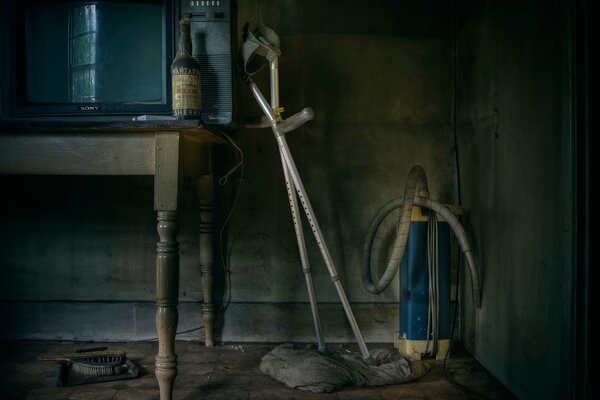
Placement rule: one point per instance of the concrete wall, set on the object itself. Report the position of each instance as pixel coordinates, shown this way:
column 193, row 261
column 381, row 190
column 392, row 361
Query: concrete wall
column 515, row 170
column 382, row 93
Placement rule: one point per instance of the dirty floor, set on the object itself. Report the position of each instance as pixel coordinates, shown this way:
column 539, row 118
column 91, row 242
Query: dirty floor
column 224, row 372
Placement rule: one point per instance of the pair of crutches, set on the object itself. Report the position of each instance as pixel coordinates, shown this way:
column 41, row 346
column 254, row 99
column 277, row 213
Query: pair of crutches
column 260, row 48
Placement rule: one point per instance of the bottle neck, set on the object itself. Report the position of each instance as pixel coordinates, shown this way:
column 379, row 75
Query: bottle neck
column 185, row 41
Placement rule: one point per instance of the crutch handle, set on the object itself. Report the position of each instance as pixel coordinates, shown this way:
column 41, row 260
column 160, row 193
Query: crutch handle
column 295, row 121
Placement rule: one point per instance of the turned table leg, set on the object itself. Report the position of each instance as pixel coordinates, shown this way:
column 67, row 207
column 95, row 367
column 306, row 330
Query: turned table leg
column 205, row 200
column 167, row 288
column 166, row 185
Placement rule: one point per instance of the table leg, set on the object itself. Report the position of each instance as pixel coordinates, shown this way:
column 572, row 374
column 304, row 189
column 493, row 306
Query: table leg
column 167, row 288
column 166, row 188
column 205, row 200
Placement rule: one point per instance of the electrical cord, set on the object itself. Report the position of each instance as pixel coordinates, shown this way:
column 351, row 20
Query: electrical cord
column 222, row 181
column 459, row 195
column 433, row 266
column 154, row 339
column 454, row 322
column 151, row 339
column 240, row 163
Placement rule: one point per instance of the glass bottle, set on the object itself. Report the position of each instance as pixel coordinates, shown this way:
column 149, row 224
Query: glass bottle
column 185, row 76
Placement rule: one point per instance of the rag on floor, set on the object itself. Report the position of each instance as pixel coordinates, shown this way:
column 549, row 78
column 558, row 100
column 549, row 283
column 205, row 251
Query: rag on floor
column 306, row 368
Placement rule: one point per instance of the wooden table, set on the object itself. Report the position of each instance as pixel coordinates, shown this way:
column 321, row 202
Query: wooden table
column 168, row 150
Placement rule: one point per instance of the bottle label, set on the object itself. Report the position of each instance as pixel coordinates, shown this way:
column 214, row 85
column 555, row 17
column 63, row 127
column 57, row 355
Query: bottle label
column 186, row 94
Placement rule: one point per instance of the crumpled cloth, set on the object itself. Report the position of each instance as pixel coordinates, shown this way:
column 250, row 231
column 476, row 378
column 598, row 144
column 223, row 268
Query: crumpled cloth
column 305, row 368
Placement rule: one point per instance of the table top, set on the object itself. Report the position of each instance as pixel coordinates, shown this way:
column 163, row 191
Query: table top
column 99, row 124
column 104, row 147
column 192, row 129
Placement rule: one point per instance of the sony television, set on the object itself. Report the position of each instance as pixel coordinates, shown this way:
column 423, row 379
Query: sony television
column 69, row 59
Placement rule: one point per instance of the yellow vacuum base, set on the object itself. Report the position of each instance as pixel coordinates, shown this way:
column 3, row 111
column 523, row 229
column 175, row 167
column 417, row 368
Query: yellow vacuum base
column 414, row 349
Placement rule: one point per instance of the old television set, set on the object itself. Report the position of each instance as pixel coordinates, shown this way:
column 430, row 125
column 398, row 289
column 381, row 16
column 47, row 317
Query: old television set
column 69, row 59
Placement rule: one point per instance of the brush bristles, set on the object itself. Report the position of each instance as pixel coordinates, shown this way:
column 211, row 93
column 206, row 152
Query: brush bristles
column 98, row 366
column 96, row 370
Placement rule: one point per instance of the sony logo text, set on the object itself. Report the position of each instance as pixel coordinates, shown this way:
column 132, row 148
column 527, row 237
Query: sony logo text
column 89, row 108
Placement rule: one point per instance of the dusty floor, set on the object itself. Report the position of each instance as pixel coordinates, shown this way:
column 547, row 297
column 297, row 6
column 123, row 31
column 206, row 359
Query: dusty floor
column 225, row 372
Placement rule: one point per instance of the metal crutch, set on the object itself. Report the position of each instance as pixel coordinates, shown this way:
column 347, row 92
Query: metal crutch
column 266, row 43
column 291, row 191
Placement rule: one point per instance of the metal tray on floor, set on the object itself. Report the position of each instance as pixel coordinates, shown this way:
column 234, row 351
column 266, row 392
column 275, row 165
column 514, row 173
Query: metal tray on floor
column 66, row 376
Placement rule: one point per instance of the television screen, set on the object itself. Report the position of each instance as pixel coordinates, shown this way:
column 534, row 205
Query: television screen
column 94, row 52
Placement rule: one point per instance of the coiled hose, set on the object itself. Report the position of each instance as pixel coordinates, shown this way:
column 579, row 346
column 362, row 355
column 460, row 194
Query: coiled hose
column 416, row 179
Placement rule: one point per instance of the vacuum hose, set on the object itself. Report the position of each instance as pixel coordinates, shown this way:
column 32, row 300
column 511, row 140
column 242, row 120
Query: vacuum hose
column 416, row 179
